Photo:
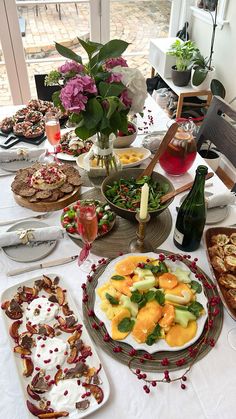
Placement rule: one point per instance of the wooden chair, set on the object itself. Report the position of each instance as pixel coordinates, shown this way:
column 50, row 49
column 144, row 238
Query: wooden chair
column 219, row 127
column 44, row 92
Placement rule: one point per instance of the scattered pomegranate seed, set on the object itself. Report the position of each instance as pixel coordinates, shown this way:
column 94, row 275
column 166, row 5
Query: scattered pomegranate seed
column 43, row 345
column 65, row 393
column 56, row 350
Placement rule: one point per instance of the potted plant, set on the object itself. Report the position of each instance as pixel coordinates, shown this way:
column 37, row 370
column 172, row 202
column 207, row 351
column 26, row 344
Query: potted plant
column 203, row 71
column 184, row 53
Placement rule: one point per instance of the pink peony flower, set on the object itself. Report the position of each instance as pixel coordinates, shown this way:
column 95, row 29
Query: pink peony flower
column 125, row 99
column 71, row 66
column 113, row 62
column 74, row 95
column 114, row 78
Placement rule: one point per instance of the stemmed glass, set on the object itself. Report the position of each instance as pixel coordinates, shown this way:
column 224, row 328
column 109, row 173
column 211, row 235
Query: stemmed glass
column 87, row 225
column 52, row 128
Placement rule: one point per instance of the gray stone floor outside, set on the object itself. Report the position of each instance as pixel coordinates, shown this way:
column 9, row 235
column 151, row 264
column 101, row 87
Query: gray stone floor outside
column 133, row 21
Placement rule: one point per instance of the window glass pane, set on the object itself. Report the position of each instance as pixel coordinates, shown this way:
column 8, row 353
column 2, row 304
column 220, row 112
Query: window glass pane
column 42, row 25
column 5, row 96
column 137, row 22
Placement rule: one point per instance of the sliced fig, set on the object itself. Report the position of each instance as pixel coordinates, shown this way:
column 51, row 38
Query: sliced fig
column 39, row 284
column 73, row 355
column 14, row 329
column 22, row 351
column 39, row 384
column 5, row 305
column 96, row 391
column 46, row 330
column 61, row 321
column 14, row 315
column 47, row 281
column 31, row 329
column 83, row 405
column 34, row 409
column 32, row 394
column 70, row 329
column 53, row 415
column 28, row 367
column 86, row 351
column 72, row 339
column 71, row 320
column 77, row 371
column 60, row 295
column 66, row 310
column 58, row 376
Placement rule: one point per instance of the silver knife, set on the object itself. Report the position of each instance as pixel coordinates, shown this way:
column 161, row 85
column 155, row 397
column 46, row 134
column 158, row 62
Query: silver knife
column 16, row 220
column 43, row 265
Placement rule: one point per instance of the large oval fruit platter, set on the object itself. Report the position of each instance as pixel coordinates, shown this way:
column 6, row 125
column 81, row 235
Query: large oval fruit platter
column 105, row 217
column 151, row 304
column 59, row 370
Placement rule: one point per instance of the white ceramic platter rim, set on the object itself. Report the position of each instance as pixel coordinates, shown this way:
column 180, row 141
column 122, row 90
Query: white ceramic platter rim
column 8, row 294
column 161, row 345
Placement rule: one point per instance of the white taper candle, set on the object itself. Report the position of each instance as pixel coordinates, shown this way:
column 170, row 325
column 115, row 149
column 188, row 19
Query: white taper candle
column 144, row 201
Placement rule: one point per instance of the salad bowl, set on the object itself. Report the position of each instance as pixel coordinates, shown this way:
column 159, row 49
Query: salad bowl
column 121, row 202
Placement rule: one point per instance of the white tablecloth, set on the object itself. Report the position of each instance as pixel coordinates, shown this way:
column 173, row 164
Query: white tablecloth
column 210, row 392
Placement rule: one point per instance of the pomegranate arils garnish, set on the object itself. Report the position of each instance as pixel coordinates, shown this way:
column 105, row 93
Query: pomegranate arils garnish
column 56, row 350
column 65, row 393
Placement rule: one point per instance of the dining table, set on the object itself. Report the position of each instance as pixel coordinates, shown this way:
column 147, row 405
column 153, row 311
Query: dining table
column 211, row 384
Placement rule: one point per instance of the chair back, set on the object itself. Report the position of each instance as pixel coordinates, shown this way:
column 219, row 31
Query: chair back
column 44, row 92
column 219, row 127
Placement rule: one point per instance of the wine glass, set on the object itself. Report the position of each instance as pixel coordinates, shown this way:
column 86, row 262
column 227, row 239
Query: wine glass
column 52, row 128
column 87, row 225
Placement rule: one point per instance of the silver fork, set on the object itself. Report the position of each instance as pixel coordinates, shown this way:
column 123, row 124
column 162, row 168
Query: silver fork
column 38, row 217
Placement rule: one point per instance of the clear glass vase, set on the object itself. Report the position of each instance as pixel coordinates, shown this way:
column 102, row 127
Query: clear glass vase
column 101, row 159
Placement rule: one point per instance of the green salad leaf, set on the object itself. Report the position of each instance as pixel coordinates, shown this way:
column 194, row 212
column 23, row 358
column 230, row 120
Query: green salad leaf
column 114, row 301
column 196, row 308
column 117, row 277
column 196, row 286
column 126, row 325
column 156, row 334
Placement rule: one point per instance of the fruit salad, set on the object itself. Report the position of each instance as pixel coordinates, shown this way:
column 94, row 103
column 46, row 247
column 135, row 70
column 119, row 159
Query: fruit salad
column 149, row 300
column 105, row 217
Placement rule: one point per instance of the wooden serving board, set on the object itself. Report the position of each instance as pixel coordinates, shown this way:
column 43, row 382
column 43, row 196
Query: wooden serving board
column 49, row 206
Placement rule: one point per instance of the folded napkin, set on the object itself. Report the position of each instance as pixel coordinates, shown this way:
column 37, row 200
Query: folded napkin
column 227, row 198
column 20, row 154
column 21, row 236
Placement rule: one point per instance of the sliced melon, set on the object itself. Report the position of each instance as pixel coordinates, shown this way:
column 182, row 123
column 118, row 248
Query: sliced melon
column 179, row 335
column 183, row 317
column 115, row 333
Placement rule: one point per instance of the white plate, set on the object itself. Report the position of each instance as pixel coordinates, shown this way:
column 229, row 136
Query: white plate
column 160, row 345
column 66, row 157
column 29, row 253
column 147, row 153
column 213, row 215
column 92, row 360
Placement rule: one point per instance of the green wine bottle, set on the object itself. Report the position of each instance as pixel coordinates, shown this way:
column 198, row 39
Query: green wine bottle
column 191, row 216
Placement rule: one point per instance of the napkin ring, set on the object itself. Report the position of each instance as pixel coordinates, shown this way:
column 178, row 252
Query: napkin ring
column 25, row 236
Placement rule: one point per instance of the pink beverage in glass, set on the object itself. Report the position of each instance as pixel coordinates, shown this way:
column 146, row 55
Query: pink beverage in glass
column 87, row 222
column 52, row 128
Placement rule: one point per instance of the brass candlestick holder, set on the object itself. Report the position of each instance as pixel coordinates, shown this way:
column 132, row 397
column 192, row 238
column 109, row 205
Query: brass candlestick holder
column 139, row 244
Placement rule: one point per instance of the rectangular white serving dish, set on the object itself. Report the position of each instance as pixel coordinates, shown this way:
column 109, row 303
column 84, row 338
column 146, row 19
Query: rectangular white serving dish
column 93, row 360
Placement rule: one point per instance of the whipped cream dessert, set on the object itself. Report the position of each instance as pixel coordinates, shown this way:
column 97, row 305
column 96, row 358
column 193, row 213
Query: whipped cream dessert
column 47, row 178
column 75, row 143
column 65, row 395
column 41, row 310
column 50, row 352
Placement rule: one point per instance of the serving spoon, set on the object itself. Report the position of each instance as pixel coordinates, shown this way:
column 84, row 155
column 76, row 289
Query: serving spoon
column 183, row 188
column 167, row 138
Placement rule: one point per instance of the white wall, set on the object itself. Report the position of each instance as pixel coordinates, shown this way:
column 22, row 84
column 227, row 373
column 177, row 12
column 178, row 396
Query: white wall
column 224, row 58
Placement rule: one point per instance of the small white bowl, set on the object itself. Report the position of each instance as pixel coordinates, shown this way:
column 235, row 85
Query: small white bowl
column 126, row 140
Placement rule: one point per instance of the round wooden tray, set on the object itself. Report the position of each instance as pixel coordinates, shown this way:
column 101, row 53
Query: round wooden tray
column 191, row 354
column 119, row 238
column 49, row 206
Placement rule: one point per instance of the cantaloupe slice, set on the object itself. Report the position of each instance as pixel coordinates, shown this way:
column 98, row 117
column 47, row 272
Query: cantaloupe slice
column 179, row 335
column 168, row 313
column 152, row 310
column 115, row 333
column 168, row 281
